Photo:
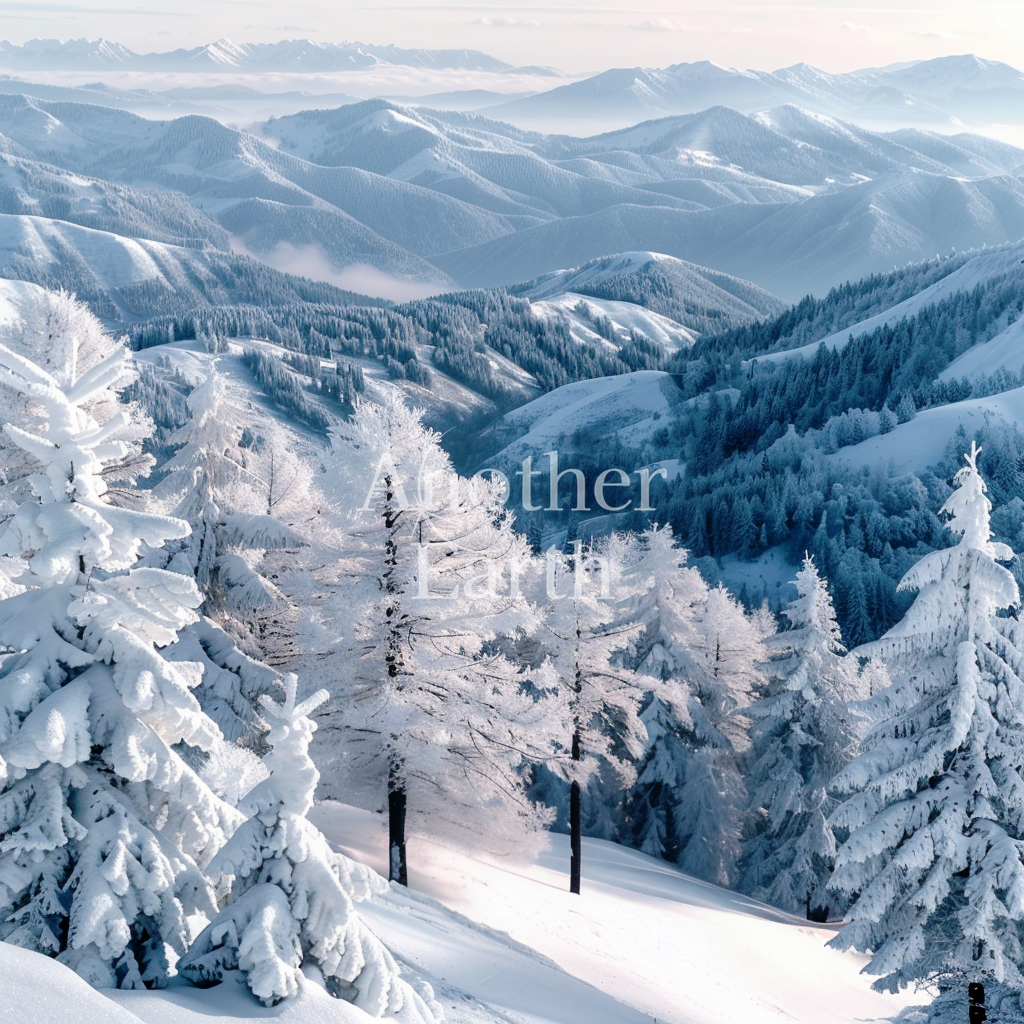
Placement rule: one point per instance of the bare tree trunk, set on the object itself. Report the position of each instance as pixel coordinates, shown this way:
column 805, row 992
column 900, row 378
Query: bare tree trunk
column 976, row 1003
column 398, row 869
column 575, row 838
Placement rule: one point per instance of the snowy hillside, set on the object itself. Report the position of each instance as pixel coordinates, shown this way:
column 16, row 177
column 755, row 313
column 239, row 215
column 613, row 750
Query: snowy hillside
column 404, row 201
column 627, row 407
column 981, row 269
column 505, row 942
column 128, row 279
column 915, row 446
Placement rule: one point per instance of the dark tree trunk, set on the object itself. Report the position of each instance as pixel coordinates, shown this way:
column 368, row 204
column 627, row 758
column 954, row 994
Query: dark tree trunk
column 575, row 838
column 976, row 1003
column 816, row 913
column 398, row 870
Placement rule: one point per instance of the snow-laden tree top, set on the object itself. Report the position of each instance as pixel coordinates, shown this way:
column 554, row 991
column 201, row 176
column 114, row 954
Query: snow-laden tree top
column 936, row 801
column 103, row 825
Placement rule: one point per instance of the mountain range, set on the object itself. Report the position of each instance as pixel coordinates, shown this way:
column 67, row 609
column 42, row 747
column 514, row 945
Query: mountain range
column 295, row 55
column 937, row 92
column 793, row 201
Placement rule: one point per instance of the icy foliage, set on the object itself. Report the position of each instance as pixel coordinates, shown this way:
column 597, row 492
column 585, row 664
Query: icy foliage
column 804, row 731
column 935, row 801
column 104, row 827
column 687, row 803
column 432, row 721
column 291, row 895
column 239, row 499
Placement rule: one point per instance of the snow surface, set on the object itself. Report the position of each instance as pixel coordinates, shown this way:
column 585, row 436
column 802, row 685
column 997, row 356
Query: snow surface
column 921, row 442
column 1004, row 351
column 670, row 947
column 13, row 294
column 37, row 990
column 628, row 406
column 625, row 316
column 506, row 943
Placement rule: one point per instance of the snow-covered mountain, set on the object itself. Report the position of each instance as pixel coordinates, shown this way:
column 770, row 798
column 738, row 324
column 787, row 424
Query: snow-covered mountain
column 925, row 92
column 793, row 201
column 128, row 279
column 297, row 55
column 791, row 249
column 696, row 298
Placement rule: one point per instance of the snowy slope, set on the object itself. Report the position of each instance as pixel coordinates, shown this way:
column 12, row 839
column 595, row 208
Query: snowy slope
column 792, row 200
column 984, row 267
column 696, row 297
column 914, row 446
column 12, row 296
column 1003, row 352
column 583, row 311
column 628, row 406
column 790, row 249
column 672, row 948
column 130, row 278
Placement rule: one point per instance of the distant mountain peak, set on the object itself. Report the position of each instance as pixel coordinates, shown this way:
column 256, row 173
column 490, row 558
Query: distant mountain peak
column 225, row 54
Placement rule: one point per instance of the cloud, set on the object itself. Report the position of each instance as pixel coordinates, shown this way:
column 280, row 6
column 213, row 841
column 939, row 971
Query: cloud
column 311, row 261
column 852, row 26
column 660, row 25
column 506, row 22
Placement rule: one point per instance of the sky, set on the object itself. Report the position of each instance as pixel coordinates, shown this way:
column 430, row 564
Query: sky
column 574, row 35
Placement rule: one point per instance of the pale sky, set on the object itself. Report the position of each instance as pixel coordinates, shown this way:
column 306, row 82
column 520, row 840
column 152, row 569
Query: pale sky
column 574, row 35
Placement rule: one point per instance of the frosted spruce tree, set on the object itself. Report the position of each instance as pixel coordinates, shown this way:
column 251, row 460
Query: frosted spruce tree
column 434, row 725
column 725, row 677
column 804, row 731
column 103, row 826
column 670, row 597
column 233, row 487
column 585, row 639
column 688, row 803
column 935, row 802
column 291, row 896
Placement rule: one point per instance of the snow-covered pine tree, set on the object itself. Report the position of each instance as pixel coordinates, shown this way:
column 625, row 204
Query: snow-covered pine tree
column 804, row 731
column 936, row 800
column 227, row 483
column 725, row 677
column 291, row 896
column 434, row 724
column 585, row 640
column 670, row 598
column 103, row 826
column 704, row 651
